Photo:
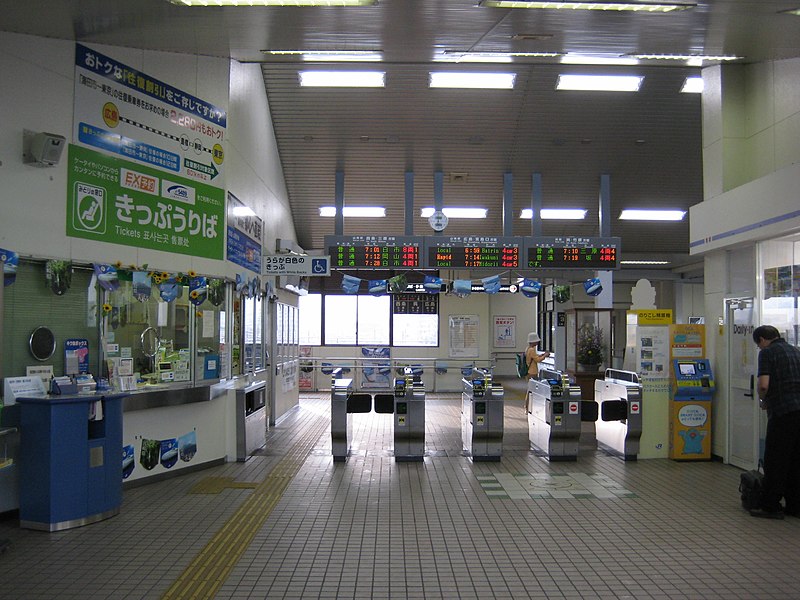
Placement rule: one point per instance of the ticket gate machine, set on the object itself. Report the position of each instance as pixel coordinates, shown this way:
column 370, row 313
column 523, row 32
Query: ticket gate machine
column 409, row 417
column 482, row 403
column 555, row 411
column 619, row 426
column 341, row 419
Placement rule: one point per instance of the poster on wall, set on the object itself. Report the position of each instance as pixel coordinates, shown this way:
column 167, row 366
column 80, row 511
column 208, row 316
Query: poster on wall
column 505, row 331
column 463, row 335
column 244, row 235
column 652, row 351
column 377, row 371
column 125, row 112
column 306, row 381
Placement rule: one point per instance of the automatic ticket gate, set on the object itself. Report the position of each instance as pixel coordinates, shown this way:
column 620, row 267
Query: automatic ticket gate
column 619, row 426
column 482, row 403
column 409, row 418
column 555, row 412
column 341, row 419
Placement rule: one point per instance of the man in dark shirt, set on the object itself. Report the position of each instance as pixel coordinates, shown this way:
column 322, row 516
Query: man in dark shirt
column 779, row 395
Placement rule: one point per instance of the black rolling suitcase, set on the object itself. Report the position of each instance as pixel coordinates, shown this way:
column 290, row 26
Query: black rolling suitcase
column 750, row 485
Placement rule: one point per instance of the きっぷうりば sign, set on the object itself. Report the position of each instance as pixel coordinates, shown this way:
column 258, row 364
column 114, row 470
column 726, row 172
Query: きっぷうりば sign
column 113, row 200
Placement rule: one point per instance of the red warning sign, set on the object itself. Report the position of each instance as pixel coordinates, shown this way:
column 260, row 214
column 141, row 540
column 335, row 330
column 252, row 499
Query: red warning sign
column 573, row 408
column 634, row 408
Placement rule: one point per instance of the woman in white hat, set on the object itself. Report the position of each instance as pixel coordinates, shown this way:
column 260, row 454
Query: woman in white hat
column 533, row 357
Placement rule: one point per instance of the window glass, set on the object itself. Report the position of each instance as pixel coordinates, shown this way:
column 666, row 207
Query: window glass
column 310, row 308
column 340, row 320
column 373, row 320
column 416, row 330
column 209, row 336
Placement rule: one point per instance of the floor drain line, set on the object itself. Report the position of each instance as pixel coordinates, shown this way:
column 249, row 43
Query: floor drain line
column 203, row 577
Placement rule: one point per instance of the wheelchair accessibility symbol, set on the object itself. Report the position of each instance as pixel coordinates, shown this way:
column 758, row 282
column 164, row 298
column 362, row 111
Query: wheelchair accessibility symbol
column 319, row 266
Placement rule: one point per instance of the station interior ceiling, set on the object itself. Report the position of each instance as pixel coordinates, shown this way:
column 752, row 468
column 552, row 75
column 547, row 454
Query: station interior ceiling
column 648, row 142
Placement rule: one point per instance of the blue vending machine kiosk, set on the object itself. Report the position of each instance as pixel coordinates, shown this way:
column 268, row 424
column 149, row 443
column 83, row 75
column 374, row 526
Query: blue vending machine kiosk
column 690, row 414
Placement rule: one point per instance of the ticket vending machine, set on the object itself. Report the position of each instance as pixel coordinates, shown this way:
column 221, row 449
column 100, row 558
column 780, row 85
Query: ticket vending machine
column 690, row 409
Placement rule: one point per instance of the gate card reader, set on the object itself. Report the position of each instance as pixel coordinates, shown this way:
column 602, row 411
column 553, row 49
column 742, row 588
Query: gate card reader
column 482, row 404
column 409, row 418
column 693, row 378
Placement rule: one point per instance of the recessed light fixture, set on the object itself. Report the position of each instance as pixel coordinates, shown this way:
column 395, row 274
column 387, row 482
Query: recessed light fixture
column 692, row 85
column 484, row 81
column 353, row 211
column 342, row 78
column 455, row 56
column 555, row 213
column 651, row 215
column 644, row 262
column 574, row 5
column 456, row 212
column 572, row 58
column 273, row 2
column 600, row 83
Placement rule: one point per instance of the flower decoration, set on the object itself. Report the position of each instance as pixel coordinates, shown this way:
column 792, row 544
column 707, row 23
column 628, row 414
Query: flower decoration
column 216, row 291
column 561, row 293
column 590, row 345
column 192, row 273
column 59, row 276
column 106, row 308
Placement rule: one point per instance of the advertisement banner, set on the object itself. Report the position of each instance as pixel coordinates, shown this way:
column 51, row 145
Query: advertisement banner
column 113, row 200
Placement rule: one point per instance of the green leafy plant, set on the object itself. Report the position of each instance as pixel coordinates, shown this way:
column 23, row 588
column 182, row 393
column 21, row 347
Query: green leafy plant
column 590, row 349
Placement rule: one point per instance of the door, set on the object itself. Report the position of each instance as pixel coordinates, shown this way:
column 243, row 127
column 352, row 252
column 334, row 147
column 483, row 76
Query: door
column 743, row 411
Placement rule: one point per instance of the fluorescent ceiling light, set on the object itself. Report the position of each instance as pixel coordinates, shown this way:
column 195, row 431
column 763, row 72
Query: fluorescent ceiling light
column 243, row 211
column 600, row 83
column 555, row 213
column 331, row 55
column 791, row 11
column 456, row 213
column 274, row 2
column 687, row 57
column 597, row 59
column 652, row 215
column 493, row 81
column 342, row 78
column 574, row 5
column 644, row 262
column 455, row 56
column 692, row 85
column 353, row 211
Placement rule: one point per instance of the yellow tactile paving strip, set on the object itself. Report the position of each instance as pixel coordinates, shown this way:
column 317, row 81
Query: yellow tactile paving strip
column 210, row 568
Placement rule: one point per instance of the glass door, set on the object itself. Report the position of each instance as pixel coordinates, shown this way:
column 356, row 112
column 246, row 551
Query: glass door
column 743, row 410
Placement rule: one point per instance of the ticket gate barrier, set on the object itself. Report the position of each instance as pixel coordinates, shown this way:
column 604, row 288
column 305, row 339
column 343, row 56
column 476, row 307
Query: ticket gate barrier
column 482, row 404
column 554, row 418
column 343, row 404
column 409, row 418
column 619, row 426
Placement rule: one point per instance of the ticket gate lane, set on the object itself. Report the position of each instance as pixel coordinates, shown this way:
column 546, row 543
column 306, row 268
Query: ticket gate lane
column 619, row 426
column 409, row 419
column 555, row 412
column 341, row 419
column 482, row 415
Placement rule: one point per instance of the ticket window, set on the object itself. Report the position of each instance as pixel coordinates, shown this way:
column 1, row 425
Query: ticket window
column 153, row 333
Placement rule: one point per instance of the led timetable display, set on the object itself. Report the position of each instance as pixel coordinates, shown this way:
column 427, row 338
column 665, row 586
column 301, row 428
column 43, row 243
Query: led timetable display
column 572, row 253
column 468, row 252
column 374, row 251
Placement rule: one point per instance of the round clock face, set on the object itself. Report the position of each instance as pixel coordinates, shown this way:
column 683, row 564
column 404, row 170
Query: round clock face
column 438, row 220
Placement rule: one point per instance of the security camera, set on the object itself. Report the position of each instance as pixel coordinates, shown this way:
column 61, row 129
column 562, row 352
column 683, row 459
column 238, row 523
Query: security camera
column 44, row 149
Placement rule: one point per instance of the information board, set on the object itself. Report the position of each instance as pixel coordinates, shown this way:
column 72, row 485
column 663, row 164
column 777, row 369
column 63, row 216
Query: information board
column 374, row 251
column 415, row 304
column 467, row 252
column 572, row 253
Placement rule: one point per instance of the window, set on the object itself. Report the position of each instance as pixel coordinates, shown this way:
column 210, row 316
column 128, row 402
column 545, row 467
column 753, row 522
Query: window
column 416, row 330
column 310, row 319
column 356, row 320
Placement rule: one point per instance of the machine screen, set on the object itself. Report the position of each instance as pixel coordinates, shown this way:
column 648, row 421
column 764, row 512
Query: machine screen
column 687, row 369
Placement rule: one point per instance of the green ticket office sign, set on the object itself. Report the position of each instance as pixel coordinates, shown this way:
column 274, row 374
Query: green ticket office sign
column 121, row 202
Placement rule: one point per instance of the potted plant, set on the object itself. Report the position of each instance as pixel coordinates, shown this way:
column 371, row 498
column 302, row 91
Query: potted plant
column 590, row 352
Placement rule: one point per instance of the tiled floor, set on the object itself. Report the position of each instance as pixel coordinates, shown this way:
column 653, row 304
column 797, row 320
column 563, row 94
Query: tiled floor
column 441, row 528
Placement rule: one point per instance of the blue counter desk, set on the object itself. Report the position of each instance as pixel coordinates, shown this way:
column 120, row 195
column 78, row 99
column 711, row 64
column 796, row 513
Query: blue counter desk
column 70, row 465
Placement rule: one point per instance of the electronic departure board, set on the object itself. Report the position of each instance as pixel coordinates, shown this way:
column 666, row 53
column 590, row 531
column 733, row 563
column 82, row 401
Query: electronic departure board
column 473, row 251
column 374, row 251
column 572, row 252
